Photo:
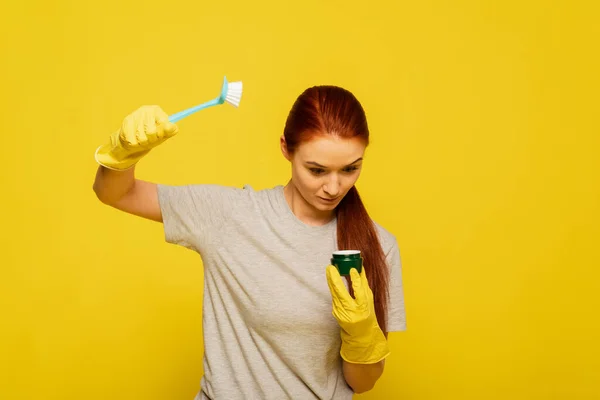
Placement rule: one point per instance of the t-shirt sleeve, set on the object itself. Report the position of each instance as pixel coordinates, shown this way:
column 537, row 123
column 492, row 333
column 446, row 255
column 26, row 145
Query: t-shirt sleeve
column 396, row 310
column 191, row 213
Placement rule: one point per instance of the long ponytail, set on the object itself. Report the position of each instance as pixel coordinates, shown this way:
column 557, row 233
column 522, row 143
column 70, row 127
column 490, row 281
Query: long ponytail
column 356, row 231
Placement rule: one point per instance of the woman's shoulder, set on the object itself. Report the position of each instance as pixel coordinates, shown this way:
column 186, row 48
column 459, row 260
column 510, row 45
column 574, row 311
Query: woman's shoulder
column 237, row 195
column 216, row 188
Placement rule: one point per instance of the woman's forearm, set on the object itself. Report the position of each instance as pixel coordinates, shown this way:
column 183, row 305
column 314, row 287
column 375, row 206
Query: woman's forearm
column 112, row 185
column 362, row 377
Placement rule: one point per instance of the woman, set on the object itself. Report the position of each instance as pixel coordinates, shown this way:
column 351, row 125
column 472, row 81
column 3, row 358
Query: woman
column 269, row 328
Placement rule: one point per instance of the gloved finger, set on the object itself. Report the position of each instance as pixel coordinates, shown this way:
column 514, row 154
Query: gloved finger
column 140, row 131
column 336, row 286
column 162, row 119
column 366, row 285
column 339, row 310
column 150, row 127
column 170, row 129
column 363, row 278
column 127, row 134
column 363, row 274
column 358, row 285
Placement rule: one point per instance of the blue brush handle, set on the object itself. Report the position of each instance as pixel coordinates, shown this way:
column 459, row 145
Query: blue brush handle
column 182, row 114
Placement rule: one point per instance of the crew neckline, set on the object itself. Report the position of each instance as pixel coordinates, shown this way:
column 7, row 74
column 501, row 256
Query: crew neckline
column 294, row 219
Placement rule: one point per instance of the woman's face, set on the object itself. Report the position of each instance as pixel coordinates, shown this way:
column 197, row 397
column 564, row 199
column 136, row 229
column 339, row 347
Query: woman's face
column 325, row 168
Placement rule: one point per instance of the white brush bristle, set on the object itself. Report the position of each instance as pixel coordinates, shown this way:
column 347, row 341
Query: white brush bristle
column 234, row 93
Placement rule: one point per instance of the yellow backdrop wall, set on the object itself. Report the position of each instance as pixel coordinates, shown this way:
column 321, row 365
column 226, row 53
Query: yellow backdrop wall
column 484, row 163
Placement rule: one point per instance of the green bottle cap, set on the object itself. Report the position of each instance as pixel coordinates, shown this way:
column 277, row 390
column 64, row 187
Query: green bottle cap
column 345, row 260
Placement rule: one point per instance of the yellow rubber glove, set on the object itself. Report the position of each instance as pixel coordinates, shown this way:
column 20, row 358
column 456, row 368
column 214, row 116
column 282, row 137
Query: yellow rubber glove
column 363, row 342
column 142, row 130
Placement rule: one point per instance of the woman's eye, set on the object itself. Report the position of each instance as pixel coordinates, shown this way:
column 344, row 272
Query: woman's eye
column 350, row 169
column 317, row 171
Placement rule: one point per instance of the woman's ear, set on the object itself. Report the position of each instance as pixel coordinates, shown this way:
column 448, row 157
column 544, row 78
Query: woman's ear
column 284, row 148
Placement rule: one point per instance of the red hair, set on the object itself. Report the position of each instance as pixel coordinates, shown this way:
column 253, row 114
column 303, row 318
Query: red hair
column 331, row 110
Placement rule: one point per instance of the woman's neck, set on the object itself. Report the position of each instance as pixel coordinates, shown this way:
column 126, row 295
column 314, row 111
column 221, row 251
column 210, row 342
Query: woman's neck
column 303, row 210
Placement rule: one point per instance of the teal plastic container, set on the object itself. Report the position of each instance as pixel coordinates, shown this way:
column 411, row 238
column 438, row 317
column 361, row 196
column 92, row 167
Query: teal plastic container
column 345, row 260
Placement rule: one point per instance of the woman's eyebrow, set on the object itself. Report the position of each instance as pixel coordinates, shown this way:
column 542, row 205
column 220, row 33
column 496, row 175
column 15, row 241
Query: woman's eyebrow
column 322, row 166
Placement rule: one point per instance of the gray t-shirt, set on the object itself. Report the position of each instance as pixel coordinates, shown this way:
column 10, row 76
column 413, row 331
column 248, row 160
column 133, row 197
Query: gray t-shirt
column 267, row 323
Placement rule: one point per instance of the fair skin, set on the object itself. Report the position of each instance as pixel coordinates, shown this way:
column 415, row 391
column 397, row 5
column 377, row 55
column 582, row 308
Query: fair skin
column 323, row 170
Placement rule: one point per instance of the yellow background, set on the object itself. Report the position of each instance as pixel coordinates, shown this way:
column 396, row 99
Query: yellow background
column 484, row 163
